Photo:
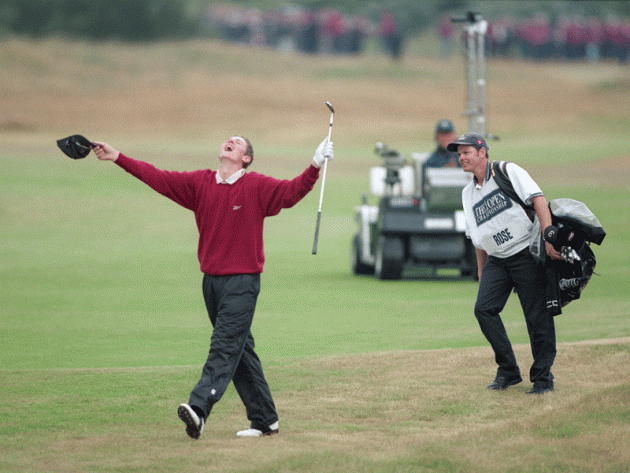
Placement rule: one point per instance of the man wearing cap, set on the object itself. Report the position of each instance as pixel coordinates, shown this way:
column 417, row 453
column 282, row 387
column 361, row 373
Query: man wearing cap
column 441, row 157
column 499, row 229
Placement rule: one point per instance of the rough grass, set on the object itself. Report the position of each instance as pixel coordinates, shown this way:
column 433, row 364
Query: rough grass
column 378, row 412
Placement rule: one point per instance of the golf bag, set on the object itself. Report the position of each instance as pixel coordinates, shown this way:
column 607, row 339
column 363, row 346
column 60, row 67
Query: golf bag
column 577, row 229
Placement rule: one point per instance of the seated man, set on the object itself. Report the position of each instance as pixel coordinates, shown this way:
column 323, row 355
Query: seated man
column 441, row 157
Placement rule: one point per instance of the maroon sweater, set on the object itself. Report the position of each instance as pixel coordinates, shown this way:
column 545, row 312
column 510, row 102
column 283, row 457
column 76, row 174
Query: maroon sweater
column 229, row 217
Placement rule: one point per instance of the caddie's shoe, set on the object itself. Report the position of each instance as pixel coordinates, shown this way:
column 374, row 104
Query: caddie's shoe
column 194, row 423
column 541, row 388
column 502, row 382
column 273, row 429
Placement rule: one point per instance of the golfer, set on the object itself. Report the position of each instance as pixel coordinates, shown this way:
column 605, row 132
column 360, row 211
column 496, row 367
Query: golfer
column 230, row 206
column 499, row 229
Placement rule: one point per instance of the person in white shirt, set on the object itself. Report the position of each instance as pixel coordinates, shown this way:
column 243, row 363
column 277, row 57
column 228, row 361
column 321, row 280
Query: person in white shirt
column 499, row 229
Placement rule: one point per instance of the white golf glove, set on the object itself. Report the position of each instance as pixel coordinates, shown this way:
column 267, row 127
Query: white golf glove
column 324, row 151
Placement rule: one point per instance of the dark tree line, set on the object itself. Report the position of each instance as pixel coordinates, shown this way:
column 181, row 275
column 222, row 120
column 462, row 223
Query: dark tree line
column 127, row 20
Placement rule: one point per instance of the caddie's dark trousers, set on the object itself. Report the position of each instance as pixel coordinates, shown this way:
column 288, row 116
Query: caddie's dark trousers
column 499, row 277
column 231, row 301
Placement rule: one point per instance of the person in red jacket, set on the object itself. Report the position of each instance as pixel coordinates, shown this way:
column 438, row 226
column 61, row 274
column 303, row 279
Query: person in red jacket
column 230, row 206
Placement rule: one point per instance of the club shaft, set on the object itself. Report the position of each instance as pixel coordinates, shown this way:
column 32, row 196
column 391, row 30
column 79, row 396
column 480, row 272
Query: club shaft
column 319, row 209
column 321, row 193
column 330, row 127
column 319, row 216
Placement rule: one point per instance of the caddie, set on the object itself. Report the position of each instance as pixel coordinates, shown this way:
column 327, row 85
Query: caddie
column 500, row 229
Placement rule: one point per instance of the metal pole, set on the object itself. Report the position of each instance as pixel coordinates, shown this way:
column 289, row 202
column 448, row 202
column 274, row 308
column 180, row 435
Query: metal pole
column 472, row 74
column 475, row 29
column 482, row 27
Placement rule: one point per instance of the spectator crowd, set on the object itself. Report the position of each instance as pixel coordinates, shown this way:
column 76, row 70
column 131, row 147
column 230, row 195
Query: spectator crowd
column 561, row 38
column 311, row 31
column 330, row 31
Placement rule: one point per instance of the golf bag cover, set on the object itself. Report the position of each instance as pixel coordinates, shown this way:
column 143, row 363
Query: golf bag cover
column 577, row 228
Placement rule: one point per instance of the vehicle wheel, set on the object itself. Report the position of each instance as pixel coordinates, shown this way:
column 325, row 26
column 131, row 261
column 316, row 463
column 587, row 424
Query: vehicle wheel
column 390, row 256
column 358, row 266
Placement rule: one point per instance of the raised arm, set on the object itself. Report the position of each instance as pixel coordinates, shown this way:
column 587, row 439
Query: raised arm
column 277, row 195
column 180, row 187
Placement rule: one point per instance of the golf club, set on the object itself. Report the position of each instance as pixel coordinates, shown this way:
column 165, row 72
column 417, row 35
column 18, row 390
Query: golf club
column 321, row 194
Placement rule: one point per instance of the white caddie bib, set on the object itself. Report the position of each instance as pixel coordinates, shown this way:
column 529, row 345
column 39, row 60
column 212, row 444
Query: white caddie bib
column 494, row 222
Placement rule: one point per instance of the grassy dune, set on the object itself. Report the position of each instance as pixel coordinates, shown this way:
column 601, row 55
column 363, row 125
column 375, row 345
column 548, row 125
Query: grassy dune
column 102, row 323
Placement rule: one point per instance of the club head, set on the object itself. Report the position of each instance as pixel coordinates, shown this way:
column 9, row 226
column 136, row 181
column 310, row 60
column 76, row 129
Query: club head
column 330, row 107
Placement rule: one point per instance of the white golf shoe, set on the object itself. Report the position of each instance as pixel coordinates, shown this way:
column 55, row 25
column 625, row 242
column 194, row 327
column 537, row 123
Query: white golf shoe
column 194, row 423
column 273, row 429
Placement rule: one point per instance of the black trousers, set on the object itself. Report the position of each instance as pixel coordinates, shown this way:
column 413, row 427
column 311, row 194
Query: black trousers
column 231, row 301
column 499, row 277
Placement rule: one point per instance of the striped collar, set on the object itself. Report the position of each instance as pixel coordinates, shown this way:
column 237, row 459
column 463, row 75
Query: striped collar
column 488, row 175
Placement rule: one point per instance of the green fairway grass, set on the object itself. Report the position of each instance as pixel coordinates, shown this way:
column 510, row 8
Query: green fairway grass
column 103, row 328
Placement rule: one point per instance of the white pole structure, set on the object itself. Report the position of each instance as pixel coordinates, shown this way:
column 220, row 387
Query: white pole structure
column 475, row 30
